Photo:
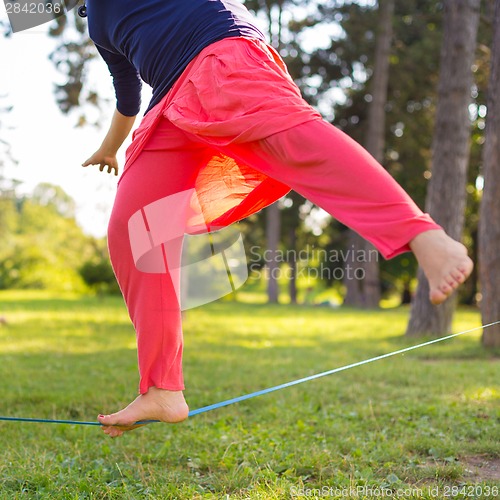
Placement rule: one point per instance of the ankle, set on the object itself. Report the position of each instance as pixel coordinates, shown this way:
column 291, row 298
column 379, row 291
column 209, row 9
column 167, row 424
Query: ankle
column 424, row 238
column 158, row 392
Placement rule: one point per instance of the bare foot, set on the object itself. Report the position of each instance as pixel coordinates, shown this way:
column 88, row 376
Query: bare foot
column 444, row 262
column 156, row 404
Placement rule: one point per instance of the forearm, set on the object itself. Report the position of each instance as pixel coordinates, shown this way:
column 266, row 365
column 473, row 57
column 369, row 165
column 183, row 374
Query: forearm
column 105, row 156
column 119, row 129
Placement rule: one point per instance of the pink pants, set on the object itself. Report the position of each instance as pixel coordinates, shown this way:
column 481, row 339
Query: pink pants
column 235, row 130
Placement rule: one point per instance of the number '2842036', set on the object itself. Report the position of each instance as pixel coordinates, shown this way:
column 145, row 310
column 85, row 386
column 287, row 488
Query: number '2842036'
column 14, row 7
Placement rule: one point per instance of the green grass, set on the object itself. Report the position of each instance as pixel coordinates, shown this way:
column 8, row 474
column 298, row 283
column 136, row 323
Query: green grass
column 408, row 422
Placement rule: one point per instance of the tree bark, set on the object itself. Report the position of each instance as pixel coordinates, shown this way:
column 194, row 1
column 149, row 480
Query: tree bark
column 273, row 230
column 353, row 292
column 292, row 263
column 489, row 222
column 367, row 293
column 446, row 196
column 273, row 214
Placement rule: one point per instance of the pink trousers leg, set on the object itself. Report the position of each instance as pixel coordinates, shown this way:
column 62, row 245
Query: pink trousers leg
column 315, row 159
column 333, row 171
column 168, row 165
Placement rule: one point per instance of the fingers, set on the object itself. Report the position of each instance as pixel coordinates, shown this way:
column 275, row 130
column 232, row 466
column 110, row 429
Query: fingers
column 112, row 166
column 90, row 161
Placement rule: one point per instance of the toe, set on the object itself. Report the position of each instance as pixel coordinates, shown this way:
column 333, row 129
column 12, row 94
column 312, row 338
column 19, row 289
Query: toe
column 450, row 281
column 440, row 293
column 113, row 426
column 465, row 270
column 112, row 431
column 458, row 276
column 436, row 297
column 104, row 419
column 108, row 431
column 115, row 419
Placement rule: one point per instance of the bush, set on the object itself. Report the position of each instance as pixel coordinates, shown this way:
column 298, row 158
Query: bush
column 99, row 276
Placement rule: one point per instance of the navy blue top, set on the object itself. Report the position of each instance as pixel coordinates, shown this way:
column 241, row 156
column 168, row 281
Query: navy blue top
column 154, row 40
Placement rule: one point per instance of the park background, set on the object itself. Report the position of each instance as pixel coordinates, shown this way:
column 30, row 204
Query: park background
column 408, row 79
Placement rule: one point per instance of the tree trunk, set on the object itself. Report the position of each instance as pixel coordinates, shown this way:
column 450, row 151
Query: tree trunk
column 353, row 292
column 367, row 293
column 273, row 230
column 446, row 196
column 292, row 284
column 273, row 214
column 489, row 222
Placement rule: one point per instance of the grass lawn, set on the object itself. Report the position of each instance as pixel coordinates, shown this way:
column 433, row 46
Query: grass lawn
column 419, row 424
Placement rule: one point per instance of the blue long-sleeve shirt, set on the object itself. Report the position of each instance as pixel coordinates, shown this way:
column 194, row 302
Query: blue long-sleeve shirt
column 154, row 40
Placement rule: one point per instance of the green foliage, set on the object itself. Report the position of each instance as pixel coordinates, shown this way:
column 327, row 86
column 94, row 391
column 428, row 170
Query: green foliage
column 413, row 73
column 98, row 274
column 337, row 80
column 41, row 244
column 405, row 422
column 8, row 215
column 71, row 57
column 345, row 68
column 347, row 64
column 97, row 271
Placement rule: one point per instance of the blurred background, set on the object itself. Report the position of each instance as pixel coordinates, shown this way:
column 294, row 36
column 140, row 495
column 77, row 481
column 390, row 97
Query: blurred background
column 399, row 77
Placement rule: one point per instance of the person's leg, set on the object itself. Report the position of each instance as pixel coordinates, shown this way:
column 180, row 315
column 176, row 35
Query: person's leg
column 168, row 165
column 333, row 171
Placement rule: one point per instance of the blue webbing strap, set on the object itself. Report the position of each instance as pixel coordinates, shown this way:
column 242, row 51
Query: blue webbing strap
column 238, row 399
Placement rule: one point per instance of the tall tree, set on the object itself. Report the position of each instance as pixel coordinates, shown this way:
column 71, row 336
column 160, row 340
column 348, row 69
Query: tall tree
column 273, row 232
column 446, row 196
column 273, row 11
column 71, row 57
column 291, row 222
column 489, row 222
column 367, row 291
column 409, row 112
column 273, row 215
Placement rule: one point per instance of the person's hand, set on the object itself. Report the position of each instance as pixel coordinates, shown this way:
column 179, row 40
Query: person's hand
column 103, row 160
column 105, row 156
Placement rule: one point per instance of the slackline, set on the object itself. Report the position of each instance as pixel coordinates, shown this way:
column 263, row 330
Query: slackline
column 238, row 399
